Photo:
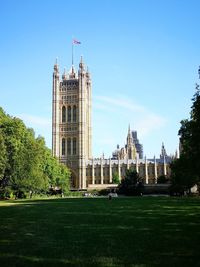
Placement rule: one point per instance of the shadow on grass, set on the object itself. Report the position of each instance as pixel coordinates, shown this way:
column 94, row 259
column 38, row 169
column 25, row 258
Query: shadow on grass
column 98, row 232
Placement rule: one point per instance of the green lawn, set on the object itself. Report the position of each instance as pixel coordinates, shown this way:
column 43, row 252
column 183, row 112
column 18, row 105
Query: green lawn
column 97, row 232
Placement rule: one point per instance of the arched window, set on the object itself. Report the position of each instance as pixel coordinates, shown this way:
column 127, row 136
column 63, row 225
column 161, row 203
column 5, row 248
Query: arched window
column 74, row 146
column 69, row 146
column 74, row 113
column 69, row 115
column 63, row 147
column 63, row 114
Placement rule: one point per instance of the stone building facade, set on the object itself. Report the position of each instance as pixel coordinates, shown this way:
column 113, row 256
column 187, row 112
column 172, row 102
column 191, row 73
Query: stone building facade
column 72, row 136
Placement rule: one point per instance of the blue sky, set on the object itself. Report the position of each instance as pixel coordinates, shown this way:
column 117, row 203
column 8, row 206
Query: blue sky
column 143, row 56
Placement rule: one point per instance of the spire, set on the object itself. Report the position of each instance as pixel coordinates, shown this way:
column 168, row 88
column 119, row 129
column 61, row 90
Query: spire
column 72, row 73
column 64, row 76
column 87, row 73
column 81, row 65
column 129, row 136
column 56, row 67
column 163, row 151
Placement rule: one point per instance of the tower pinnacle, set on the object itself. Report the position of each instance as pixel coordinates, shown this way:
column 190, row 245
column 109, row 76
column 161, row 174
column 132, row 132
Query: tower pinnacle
column 64, row 76
column 81, row 64
column 56, row 67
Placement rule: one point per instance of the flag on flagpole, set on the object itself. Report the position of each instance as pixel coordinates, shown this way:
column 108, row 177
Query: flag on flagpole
column 76, row 41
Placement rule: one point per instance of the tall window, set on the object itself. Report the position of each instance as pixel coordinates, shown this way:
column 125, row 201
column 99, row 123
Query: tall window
column 74, row 113
column 69, row 146
column 63, row 114
column 74, row 146
column 69, row 113
column 63, row 146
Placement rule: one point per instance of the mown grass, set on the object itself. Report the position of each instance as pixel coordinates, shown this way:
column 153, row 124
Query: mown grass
column 97, row 232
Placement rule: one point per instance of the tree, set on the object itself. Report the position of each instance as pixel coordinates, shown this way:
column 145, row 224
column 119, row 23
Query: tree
column 131, row 184
column 186, row 169
column 115, row 178
column 26, row 164
column 162, row 179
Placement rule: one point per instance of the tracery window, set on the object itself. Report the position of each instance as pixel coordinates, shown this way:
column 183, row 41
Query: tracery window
column 74, row 113
column 63, row 114
column 74, row 146
column 69, row 113
column 69, row 146
column 63, row 147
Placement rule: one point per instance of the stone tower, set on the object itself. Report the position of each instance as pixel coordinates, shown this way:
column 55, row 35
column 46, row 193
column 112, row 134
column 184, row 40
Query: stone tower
column 71, row 121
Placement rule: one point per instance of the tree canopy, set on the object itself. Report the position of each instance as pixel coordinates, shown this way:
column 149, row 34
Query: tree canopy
column 186, row 169
column 26, row 164
column 131, row 184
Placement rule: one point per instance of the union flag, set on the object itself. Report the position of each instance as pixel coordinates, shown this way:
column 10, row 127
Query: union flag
column 76, row 41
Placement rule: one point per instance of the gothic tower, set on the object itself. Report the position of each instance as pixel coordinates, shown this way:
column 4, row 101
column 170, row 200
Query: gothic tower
column 130, row 146
column 71, row 121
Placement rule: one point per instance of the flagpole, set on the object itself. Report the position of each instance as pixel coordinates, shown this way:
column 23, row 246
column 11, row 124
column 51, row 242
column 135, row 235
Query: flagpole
column 72, row 53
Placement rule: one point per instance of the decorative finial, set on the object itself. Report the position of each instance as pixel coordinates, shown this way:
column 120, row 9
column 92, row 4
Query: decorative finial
column 56, row 68
column 64, row 76
column 81, row 64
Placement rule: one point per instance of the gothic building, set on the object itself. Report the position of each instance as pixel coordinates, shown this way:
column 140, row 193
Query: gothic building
column 131, row 150
column 72, row 137
column 138, row 146
column 71, row 121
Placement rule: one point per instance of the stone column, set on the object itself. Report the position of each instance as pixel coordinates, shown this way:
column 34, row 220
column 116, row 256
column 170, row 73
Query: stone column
column 93, row 178
column 164, row 166
column 110, row 171
column 127, row 164
column 101, row 172
column 119, row 170
column 146, row 171
column 155, row 170
column 136, row 163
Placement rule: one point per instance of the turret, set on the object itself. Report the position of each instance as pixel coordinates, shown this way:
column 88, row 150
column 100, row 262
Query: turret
column 81, row 67
column 64, row 76
column 129, row 137
column 55, row 109
column 72, row 73
column 163, row 151
column 56, row 69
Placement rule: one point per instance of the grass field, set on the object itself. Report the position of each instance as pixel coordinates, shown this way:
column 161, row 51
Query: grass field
column 97, row 232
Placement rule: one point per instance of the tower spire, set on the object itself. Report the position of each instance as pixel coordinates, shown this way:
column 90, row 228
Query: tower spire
column 64, row 76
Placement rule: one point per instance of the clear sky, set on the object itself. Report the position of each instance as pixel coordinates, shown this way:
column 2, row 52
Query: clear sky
column 143, row 56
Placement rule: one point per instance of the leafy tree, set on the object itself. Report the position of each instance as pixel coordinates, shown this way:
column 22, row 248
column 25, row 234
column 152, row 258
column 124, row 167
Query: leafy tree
column 162, row 179
column 131, row 184
column 26, row 164
column 186, row 169
column 3, row 157
column 115, row 178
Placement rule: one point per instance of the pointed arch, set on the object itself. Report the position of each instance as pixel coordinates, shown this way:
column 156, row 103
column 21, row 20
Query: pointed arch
column 63, row 146
column 74, row 113
column 63, row 114
column 69, row 113
column 68, row 146
column 74, row 146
